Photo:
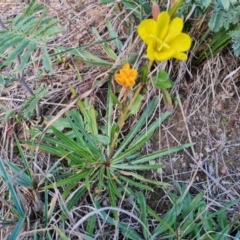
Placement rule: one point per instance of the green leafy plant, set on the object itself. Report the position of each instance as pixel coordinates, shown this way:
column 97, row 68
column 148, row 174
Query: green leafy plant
column 98, row 156
column 25, row 34
column 222, row 28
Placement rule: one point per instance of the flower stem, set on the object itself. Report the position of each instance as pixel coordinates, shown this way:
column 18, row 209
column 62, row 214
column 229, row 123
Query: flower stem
column 167, row 99
column 121, row 122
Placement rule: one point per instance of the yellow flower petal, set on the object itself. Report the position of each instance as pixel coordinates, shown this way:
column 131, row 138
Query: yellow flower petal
column 175, row 28
column 164, row 38
column 151, row 51
column 181, row 43
column 163, row 56
column 180, row 56
column 162, row 25
column 147, row 29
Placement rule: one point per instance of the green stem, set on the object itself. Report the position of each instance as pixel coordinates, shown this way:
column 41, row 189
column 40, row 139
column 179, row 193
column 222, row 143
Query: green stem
column 167, row 99
column 121, row 123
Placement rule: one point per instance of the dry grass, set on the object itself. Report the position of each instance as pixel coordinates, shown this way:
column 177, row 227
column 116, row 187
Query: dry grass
column 207, row 113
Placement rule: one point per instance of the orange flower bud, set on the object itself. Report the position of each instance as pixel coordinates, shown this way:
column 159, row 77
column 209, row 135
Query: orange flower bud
column 126, row 76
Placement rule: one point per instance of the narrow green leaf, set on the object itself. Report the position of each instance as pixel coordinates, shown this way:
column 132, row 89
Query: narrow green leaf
column 83, row 137
column 91, row 224
column 109, row 113
column 23, row 156
column 46, row 27
column 46, row 60
column 21, row 177
column 143, row 213
column 161, row 221
column 27, row 54
column 148, row 111
column 136, row 167
column 113, row 34
column 88, row 141
column 89, row 58
column 137, row 104
column 61, row 234
column 151, row 128
column 74, row 178
column 128, row 232
column 140, row 140
column 129, row 152
column 75, row 198
column 141, row 178
column 135, row 184
column 11, row 43
column 6, row 35
column 113, row 192
column 106, row 1
column 193, row 204
column 106, row 47
column 101, row 177
column 87, row 183
column 16, row 230
column 112, row 199
column 72, row 145
column 18, row 206
column 160, row 153
column 169, row 219
column 114, row 98
column 133, row 6
column 112, row 187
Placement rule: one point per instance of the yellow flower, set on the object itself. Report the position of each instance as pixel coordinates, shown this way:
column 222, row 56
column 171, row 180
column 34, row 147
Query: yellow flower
column 164, row 38
column 127, row 76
